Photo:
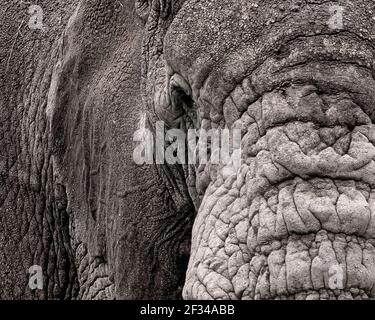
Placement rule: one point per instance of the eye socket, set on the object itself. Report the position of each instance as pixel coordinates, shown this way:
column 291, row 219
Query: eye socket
column 180, row 92
column 184, row 107
column 181, row 99
column 181, row 103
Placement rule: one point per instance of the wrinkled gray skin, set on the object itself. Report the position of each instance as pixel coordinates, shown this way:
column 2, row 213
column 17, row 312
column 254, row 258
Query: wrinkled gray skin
column 73, row 201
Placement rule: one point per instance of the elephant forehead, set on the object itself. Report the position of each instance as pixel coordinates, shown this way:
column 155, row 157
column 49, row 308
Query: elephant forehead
column 215, row 25
column 215, row 43
column 204, row 32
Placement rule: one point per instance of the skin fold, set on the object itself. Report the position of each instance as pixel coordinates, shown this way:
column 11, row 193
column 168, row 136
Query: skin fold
column 294, row 221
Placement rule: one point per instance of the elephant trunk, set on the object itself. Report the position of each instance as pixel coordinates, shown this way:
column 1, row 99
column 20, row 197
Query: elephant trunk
column 297, row 221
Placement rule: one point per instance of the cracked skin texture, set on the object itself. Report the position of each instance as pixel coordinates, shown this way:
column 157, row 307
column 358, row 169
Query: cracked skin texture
column 301, row 202
column 101, row 227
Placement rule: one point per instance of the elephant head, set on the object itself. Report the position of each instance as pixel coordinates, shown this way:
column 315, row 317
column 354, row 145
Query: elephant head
column 294, row 219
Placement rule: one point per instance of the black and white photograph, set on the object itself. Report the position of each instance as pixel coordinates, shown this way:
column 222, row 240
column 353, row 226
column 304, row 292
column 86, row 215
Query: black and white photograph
column 187, row 150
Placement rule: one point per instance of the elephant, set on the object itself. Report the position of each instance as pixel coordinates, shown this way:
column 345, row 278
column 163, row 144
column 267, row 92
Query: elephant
column 294, row 220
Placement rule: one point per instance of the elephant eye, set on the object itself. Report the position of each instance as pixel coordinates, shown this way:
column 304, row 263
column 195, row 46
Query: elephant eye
column 184, row 105
column 182, row 99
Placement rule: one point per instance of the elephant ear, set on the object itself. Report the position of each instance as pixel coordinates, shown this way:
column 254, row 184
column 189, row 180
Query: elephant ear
column 129, row 227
